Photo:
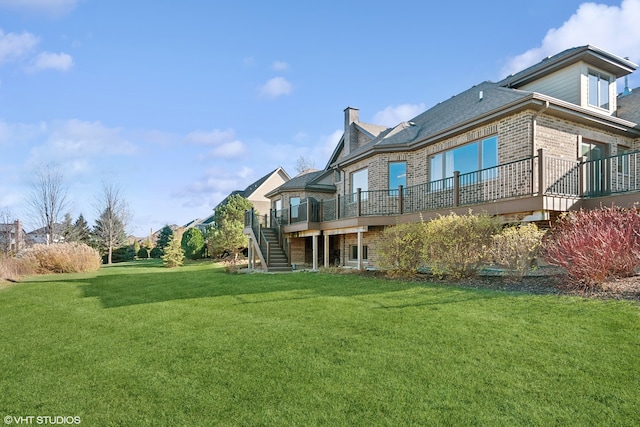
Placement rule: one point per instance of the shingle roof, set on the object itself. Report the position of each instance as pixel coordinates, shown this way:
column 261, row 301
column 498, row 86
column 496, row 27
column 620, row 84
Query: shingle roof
column 446, row 115
column 629, row 106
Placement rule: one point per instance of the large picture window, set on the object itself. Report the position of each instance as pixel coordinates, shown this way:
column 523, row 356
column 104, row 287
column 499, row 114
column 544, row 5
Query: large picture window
column 467, row 158
column 599, row 90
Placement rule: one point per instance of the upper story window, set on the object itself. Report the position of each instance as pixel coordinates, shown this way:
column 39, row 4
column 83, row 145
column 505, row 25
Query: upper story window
column 599, row 90
column 467, row 158
column 359, row 179
column 397, row 174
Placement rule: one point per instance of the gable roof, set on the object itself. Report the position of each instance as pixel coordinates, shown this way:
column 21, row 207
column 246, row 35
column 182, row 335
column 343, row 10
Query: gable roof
column 251, row 188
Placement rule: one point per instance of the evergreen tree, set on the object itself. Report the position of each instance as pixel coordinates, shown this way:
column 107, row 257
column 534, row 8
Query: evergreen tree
column 163, row 239
column 109, row 232
column 173, row 253
column 193, row 243
column 228, row 226
column 68, row 230
column 82, row 232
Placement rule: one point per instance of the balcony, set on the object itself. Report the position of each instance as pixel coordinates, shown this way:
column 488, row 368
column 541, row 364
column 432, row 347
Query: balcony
column 539, row 183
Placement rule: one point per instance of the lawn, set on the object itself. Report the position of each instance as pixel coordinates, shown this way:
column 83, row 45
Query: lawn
column 136, row 344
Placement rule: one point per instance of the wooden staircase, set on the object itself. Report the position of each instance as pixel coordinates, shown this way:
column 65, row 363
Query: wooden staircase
column 276, row 258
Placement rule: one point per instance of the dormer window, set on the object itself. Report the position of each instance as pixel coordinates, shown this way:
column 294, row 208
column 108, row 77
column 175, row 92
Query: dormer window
column 599, row 90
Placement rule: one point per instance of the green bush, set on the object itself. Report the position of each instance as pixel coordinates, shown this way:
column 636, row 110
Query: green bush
column 173, row 253
column 401, row 250
column 515, row 248
column 595, row 246
column 143, row 253
column 193, row 243
column 156, row 253
column 121, row 254
column 457, row 245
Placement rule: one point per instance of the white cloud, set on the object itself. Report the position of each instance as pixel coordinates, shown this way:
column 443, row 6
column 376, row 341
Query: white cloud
column 613, row 28
column 391, row 116
column 276, row 87
column 280, row 66
column 225, row 145
column 75, row 144
column 51, row 61
column 16, row 46
column 214, row 185
column 53, row 8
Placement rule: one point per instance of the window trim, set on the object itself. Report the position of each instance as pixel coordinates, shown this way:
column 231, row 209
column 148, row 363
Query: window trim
column 600, row 77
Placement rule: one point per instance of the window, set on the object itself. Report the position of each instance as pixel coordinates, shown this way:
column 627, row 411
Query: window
column 397, row 174
column 353, row 252
column 624, row 160
column 467, row 158
column 278, row 205
column 599, row 90
column 360, row 179
column 294, row 202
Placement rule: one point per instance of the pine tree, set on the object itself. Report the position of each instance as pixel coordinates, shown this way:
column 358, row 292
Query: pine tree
column 163, row 239
column 173, row 253
column 193, row 243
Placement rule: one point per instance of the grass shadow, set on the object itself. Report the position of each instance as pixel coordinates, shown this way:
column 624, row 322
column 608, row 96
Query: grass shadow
column 126, row 286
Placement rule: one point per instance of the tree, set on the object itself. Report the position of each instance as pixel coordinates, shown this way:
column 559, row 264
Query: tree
column 303, row 164
column 47, row 200
column 6, row 226
column 111, row 224
column 193, row 243
column 164, row 238
column 173, row 253
column 228, row 225
column 82, row 232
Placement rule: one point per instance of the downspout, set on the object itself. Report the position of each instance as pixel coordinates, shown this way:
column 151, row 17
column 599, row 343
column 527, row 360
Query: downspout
column 534, row 121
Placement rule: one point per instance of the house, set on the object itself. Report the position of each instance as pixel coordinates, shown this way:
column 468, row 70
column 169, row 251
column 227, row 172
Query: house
column 41, row 236
column 551, row 138
column 255, row 192
column 12, row 237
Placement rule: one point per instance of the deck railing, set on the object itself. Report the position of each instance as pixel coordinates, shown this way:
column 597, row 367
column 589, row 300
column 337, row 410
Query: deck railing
column 537, row 175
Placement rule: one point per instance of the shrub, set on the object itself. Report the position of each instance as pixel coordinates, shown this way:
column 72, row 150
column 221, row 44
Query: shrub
column 193, row 243
column 173, row 253
column 143, row 253
column 121, row 254
column 457, row 245
column 515, row 248
column 594, row 246
column 401, row 249
column 59, row 258
column 156, row 252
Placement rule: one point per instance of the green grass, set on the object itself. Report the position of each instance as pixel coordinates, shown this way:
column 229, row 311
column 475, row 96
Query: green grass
column 137, row 345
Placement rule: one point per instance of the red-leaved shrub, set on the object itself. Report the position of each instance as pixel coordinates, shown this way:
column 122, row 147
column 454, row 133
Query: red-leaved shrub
column 593, row 246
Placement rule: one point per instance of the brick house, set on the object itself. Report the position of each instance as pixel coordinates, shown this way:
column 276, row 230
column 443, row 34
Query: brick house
column 554, row 137
column 12, row 237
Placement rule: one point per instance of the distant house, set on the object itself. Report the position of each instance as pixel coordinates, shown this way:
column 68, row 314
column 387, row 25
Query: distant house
column 256, row 193
column 41, row 235
column 554, row 137
column 12, row 237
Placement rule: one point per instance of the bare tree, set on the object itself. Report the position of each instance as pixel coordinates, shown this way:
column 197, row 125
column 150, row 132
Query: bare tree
column 303, row 164
column 6, row 227
column 113, row 217
column 47, row 200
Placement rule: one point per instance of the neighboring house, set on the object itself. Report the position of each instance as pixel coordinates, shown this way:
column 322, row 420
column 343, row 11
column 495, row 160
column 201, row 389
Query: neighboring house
column 40, row 236
column 551, row 138
column 255, row 192
column 12, row 237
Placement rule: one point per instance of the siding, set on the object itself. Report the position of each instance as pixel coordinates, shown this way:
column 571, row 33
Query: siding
column 563, row 84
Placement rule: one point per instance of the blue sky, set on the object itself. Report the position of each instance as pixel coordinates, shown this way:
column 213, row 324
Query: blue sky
column 183, row 102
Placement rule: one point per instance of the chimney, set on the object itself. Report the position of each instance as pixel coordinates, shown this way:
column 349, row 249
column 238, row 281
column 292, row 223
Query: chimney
column 350, row 136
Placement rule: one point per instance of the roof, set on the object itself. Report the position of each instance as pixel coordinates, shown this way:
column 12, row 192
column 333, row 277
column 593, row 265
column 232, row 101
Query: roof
column 308, row 180
column 489, row 99
column 251, row 188
column 600, row 58
column 629, row 106
column 472, row 103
